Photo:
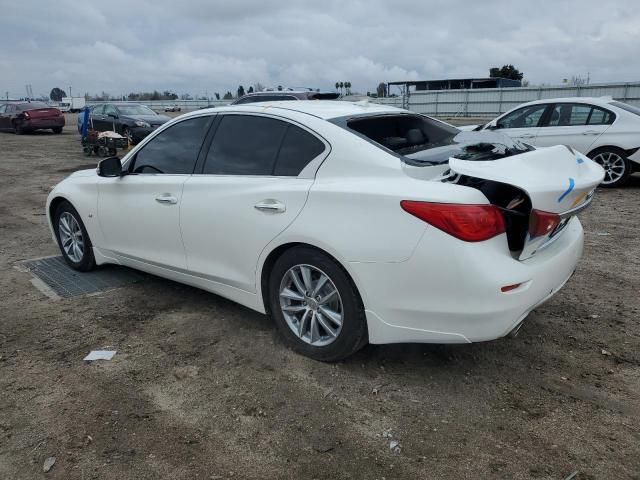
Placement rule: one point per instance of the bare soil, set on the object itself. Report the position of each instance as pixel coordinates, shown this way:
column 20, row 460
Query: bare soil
column 202, row 388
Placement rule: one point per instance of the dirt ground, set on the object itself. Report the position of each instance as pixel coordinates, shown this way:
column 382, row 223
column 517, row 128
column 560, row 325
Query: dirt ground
column 202, row 388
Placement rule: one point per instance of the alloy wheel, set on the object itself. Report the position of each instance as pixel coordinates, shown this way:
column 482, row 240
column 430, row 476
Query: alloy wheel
column 311, row 305
column 71, row 237
column 613, row 164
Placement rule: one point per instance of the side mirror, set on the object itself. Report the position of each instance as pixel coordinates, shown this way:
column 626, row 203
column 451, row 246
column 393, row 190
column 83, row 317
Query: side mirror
column 110, row 167
column 494, row 126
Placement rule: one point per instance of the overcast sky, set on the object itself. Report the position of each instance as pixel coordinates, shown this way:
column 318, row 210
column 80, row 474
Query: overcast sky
column 204, row 45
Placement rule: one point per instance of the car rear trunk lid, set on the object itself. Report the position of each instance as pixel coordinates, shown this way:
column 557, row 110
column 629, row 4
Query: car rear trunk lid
column 43, row 113
column 557, row 180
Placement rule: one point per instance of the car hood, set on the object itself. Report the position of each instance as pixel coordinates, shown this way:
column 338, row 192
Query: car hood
column 150, row 119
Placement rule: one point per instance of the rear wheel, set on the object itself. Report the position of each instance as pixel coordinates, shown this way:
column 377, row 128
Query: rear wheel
column 316, row 305
column 617, row 167
column 73, row 238
column 127, row 133
column 57, row 129
column 18, row 128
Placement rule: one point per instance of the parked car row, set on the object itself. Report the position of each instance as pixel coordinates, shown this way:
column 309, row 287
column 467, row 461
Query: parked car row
column 606, row 130
column 348, row 223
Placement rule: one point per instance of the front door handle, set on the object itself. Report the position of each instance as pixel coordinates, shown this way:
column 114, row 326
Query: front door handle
column 166, row 199
column 591, row 132
column 526, row 135
column 270, row 205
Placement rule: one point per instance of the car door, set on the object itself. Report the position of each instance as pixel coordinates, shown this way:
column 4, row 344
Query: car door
column 109, row 118
column 96, row 117
column 523, row 123
column 4, row 117
column 139, row 213
column 251, row 187
column 575, row 124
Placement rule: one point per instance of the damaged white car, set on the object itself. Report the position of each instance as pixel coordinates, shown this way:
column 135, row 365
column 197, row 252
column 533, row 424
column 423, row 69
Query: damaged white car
column 346, row 223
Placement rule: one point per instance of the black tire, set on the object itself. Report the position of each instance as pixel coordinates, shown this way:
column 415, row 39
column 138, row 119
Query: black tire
column 57, row 129
column 112, row 152
column 87, row 150
column 601, row 156
column 88, row 261
column 353, row 334
column 102, row 151
column 18, row 129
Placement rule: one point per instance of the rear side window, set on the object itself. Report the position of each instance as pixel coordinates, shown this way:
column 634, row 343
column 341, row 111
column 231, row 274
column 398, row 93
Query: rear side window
column 245, row 145
column 568, row 114
column 600, row 116
column 175, row 150
column 299, row 147
column 2, row 108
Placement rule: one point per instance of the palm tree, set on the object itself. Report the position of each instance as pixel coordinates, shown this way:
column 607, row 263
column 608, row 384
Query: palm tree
column 341, row 87
column 337, row 85
column 348, row 87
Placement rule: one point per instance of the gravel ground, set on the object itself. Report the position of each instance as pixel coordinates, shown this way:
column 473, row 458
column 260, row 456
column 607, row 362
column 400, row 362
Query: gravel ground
column 202, row 388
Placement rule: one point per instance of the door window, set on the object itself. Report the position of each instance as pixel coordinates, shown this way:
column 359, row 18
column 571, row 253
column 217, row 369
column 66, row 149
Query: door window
column 110, row 110
column 245, row 145
column 174, row 150
column 2, row 108
column 299, row 147
column 97, row 109
column 569, row 114
column 600, row 116
column 527, row 117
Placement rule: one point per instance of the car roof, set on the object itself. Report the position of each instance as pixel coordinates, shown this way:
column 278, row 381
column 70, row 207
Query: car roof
column 325, row 109
column 602, row 101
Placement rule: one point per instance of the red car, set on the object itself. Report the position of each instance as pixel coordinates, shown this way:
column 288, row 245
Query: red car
column 29, row 116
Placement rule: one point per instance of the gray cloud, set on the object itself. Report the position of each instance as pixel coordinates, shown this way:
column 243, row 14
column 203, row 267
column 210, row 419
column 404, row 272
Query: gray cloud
column 197, row 46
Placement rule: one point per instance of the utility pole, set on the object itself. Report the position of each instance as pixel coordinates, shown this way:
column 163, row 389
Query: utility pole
column 70, row 96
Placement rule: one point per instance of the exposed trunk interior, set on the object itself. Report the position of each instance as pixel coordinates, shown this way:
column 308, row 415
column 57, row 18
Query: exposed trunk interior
column 514, row 203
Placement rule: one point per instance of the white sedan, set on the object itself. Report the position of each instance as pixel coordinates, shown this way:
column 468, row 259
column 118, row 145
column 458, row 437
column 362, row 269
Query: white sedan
column 347, row 223
column 605, row 130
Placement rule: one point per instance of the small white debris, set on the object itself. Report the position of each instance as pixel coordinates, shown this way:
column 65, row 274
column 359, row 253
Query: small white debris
column 99, row 355
column 594, row 316
column 376, row 389
column 48, row 464
column 394, row 446
column 603, row 234
column 605, row 352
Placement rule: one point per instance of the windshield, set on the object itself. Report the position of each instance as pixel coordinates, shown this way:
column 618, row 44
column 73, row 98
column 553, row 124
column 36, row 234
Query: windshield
column 135, row 110
column 627, row 107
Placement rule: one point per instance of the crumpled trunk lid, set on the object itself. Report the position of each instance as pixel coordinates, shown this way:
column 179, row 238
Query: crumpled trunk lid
column 557, row 180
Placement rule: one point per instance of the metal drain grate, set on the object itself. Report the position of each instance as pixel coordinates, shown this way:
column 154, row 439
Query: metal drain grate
column 57, row 279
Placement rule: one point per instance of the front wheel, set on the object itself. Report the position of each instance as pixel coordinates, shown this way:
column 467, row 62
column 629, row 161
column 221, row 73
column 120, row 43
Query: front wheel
column 316, row 306
column 127, row 133
column 617, row 167
column 73, row 238
column 18, row 129
column 57, row 129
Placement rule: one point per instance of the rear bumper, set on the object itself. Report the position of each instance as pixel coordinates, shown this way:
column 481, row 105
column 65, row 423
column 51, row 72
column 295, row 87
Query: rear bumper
column 39, row 123
column 449, row 290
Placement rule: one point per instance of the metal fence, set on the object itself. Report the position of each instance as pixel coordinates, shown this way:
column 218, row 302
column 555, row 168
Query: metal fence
column 489, row 102
column 476, row 102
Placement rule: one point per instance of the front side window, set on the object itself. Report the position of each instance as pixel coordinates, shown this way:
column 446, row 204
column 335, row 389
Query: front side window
column 110, row 110
column 245, row 145
column 2, row 108
column 527, row 117
column 174, row 150
column 97, row 109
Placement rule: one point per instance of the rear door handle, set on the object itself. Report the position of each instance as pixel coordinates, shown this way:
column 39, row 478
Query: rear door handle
column 270, row 205
column 526, row 135
column 591, row 132
column 166, row 199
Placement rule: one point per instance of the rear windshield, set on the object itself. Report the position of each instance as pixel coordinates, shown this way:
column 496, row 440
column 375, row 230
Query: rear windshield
column 32, row 106
column 420, row 140
column 323, row 96
column 627, row 107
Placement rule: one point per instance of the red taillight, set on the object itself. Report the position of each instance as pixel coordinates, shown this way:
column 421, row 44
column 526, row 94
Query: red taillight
column 542, row 223
column 471, row 223
column 508, row 288
column 26, row 114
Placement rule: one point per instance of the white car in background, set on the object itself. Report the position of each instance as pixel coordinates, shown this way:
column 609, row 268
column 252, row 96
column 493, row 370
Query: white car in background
column 347, row 223
column 605, row 130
